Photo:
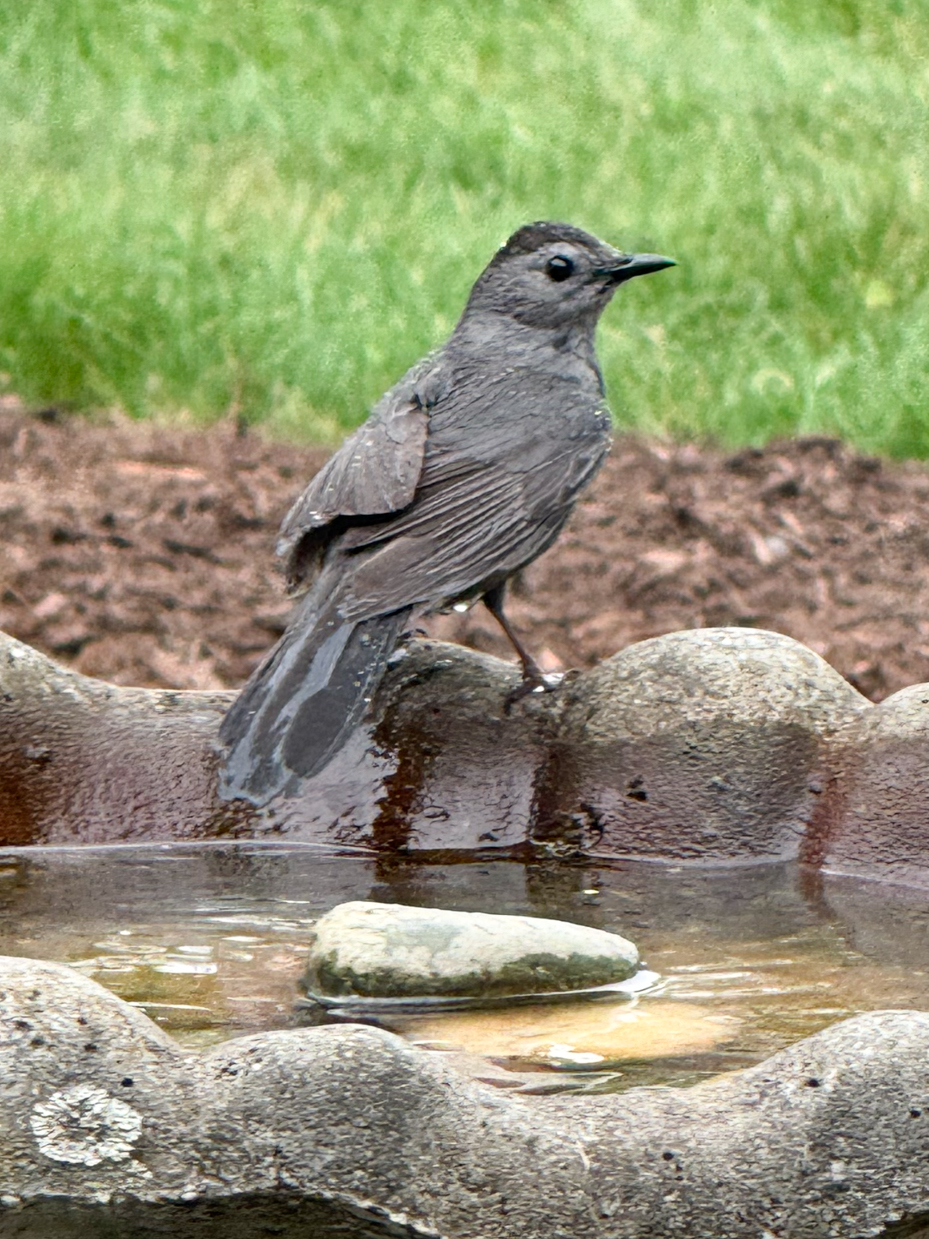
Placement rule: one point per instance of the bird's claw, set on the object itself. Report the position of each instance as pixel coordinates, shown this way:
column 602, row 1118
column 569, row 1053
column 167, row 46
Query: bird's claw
column 537, row 683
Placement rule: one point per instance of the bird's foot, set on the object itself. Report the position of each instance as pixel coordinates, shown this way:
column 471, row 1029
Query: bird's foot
column 537, row 683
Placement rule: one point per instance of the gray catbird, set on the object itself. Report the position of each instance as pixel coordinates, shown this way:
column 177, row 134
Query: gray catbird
column 465, row 471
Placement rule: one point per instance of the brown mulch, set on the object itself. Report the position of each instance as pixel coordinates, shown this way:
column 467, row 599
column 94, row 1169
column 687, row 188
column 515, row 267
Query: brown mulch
column 143, row 554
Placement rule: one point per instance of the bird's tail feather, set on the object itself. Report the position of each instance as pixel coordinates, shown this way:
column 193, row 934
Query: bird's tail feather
column 301, row 704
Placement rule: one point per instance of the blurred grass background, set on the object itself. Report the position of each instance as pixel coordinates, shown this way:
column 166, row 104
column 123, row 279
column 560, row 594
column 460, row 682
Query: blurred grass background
column 272, row 209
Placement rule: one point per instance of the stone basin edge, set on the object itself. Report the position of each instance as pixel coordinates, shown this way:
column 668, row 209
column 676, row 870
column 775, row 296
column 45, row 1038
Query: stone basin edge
column 706, row 746
column 349, row 1132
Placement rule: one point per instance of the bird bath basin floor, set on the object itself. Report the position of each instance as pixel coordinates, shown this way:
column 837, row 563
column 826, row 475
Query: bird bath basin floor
column 211, row 942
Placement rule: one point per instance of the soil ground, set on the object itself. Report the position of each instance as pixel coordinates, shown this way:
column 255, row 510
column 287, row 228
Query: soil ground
column 144, row 554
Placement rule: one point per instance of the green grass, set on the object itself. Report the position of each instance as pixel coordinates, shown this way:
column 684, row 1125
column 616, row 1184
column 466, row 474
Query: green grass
column 274, row 208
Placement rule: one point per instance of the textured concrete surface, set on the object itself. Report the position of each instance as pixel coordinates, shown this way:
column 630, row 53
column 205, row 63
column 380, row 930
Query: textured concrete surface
column 388, row 950
column 84, row 761
column 879, row 824
column 110, row 1129
column 708, row 746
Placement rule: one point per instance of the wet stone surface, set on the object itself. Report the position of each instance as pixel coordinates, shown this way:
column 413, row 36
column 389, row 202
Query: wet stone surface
column 393, row 951
column 704, row 746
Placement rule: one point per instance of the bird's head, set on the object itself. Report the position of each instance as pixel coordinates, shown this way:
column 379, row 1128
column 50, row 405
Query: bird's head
column 556, row 276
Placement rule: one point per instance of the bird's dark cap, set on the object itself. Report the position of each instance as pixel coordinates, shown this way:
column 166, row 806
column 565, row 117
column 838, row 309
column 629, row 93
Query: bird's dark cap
column 530, row 237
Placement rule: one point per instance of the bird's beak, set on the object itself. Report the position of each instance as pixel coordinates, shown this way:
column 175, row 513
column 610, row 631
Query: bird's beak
column 628, row 265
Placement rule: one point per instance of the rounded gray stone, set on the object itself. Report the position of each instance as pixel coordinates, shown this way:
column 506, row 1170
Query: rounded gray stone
column 391, row 951
column 704, row 745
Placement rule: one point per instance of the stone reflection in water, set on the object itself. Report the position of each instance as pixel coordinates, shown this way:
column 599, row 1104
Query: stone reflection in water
column 596, row 1035
column 212, row 941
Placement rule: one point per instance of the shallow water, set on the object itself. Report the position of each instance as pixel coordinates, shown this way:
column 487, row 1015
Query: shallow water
column 211, row 942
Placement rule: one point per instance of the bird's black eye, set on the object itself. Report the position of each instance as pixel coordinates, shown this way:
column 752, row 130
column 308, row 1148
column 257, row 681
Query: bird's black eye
column 559, row 268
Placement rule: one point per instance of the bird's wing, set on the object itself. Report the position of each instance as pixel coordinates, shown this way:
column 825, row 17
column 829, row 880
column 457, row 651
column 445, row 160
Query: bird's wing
column 473, row 520
column 374, row 472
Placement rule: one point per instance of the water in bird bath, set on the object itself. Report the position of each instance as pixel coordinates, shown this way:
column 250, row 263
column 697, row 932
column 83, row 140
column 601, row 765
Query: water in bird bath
column 211, row 941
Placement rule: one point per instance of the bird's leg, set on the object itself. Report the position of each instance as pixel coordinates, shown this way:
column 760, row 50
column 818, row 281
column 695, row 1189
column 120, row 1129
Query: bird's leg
column 533, row 676
column 493, row 601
